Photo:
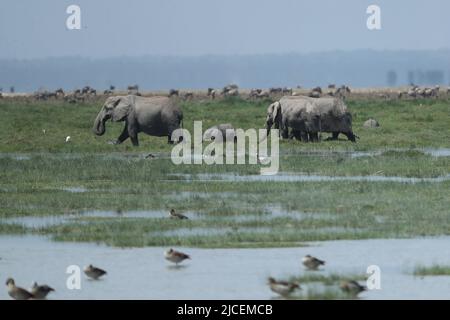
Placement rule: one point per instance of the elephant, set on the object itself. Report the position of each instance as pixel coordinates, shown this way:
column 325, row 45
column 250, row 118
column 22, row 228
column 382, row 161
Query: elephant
column 273, row 116
column 226, row 129
column 300, row 115
column 156, row 116
column 334, row 117
column 306, row 117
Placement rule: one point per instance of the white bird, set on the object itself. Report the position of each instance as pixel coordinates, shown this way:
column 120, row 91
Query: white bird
column 67, row 139
column 43, row 131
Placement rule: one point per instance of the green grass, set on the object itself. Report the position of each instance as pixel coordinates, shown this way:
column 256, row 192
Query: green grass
column 404, row 124
column 36, row 167
column 317, row 286
column 327, row 279
column 435, row 270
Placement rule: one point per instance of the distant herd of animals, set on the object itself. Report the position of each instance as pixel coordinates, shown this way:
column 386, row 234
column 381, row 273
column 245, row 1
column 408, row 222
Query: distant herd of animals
column 298, row 113
column 297, row 117
column 232, row 90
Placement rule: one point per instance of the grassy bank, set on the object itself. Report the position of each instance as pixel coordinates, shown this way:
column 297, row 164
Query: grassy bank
column 404, row 124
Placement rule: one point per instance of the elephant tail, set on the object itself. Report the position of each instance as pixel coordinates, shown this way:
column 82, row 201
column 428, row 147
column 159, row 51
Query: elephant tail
column 180, row 120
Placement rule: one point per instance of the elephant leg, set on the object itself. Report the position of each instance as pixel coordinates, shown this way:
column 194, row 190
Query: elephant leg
column 297, row 134
column 350, row 135
column 291, row 135
column 314, row 136
column 285, row 133
column 169, row 136
column 304, row 136
column 134, row 140
column 133, row 136
column 333, row 137
column 123, row 136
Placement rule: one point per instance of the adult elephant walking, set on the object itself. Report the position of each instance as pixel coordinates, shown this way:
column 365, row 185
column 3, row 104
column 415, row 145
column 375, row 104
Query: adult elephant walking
column 155, row 116
column 334, row 118
column 306, row 117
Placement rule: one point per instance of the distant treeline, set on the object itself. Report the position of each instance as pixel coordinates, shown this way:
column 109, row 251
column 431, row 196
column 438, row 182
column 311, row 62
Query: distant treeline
column 361, row 68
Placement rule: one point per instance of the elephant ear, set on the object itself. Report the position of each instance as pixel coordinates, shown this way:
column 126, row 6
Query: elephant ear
column 122, row 108
column 276, row 111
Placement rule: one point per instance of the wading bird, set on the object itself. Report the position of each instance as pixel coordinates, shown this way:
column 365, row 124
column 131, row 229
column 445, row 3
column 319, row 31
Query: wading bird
column 94, row 272
column 311, row 262
column 352, row 287
column 17, row 293
column 174, row 215
column 175, row 256
column 40, row 291
column 283, row 288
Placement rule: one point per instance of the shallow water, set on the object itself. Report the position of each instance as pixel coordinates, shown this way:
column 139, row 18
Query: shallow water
column 75, row 189
column 47, row 221
column 142, row 273
column 435, row 152
column 440, row 152
column 294, row 177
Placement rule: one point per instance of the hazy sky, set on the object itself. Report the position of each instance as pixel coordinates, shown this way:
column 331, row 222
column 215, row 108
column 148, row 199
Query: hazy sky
column 31, row 29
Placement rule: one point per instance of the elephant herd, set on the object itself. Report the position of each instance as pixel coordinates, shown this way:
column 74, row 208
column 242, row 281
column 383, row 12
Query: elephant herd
column 304, row 118
column 297, row 117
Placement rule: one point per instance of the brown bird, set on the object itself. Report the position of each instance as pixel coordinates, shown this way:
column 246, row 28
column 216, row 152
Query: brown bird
column 94, row 272
column 175, row 256
column 174, row 215
column 312, row 263
column 17, row 293
column 40, row 291
column 283, row 288
column 352, row 287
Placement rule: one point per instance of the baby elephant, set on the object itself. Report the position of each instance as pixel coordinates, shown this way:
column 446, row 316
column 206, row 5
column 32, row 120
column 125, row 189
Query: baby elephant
column 225, row 129
column 155, row 116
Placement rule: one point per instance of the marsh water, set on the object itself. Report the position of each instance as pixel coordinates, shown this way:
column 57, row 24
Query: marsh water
column 294, row 177
column 143, row 273
column 435, row 152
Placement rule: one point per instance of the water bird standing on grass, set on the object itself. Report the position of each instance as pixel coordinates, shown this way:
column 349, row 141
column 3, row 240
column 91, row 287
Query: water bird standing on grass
column 17, row 293
column 40, row 291
column 175, row 256
column 283, row 288
column 67, row 139
column 174, row 215
column 352, row 287
column 94, row 272
column 312, row 263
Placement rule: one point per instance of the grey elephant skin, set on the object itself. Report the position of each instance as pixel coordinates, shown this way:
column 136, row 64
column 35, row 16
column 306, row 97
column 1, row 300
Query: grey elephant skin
column 306, row 117
column 155, row 116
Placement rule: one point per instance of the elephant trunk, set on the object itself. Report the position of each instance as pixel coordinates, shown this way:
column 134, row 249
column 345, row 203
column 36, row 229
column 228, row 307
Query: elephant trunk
column 99, row 125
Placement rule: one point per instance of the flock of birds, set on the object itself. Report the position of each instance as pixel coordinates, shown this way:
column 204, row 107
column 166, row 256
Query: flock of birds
column 286, row 288
column 283, row 288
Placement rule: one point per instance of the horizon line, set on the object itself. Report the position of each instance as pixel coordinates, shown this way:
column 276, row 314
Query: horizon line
column 287, row 53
